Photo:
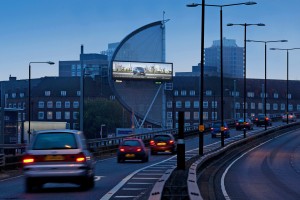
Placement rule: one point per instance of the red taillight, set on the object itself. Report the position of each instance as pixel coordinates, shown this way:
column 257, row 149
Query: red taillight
column 225, row 129
column 171, row 142
column 28, row 159
column 152, row 142
column 80, row 157
column 122, row 149
column 267, row 118
column 139, row 149
column 211, row 129
column 237, row 124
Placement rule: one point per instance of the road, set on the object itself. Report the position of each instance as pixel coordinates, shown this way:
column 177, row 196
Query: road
column 130, row 180
column 269, row 171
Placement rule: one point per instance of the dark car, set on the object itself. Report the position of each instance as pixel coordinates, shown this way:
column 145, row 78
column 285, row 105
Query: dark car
column 58, row 156
column 262, row 120
column 138, row 71
column 132, row 149
column 240, row 124
column 163, row 143
column 216, row 129
column 292, row 117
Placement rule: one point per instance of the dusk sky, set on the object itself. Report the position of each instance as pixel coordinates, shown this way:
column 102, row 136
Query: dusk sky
column 53, row 30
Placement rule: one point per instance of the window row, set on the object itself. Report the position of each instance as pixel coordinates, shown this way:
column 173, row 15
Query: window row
column 58, row 104
column 63, row 93
column 49, row 115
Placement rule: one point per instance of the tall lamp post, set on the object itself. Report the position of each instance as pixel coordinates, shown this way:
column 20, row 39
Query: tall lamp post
column 245, row 36
column 287, row 79
column 201, row 82
column 29, row 94
column 265, row 95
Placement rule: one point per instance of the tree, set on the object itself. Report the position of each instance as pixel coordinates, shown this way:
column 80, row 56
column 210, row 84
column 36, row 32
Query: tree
column 102, row 111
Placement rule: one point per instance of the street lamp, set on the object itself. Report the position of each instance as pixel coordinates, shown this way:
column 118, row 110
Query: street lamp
column 201, row 82
column 29, row 94
column 221, row 52
column 245, row 30
column 287, row 79
column 265, row 95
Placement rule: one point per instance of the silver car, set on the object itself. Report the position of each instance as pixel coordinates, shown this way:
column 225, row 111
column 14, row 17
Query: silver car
column 58, row 156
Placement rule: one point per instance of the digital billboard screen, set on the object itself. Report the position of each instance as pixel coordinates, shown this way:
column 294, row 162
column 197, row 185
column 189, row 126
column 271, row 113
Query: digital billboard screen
column 142, row 70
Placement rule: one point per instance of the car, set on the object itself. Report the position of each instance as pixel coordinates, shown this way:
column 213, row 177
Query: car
column 58, row 156
column 240, row 124
column 261, row 119
column 292, row 117
column 216, row 129
column 163, row 142
column 139, row 71
column 132, row 149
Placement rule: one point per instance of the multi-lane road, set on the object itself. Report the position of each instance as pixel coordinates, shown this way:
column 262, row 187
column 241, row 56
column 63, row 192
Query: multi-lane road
column 130, row 180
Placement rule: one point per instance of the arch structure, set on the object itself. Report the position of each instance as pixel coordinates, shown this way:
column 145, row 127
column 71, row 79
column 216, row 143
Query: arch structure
column 143, row 98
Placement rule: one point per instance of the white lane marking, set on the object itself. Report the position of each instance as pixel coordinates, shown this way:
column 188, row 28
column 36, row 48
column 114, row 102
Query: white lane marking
column 225, row 194
column 122, row 182
column 138, row 183
column 152, row 170
column 149, row 174
column 11, row 178
column 123, row 197
column 133, row 189
column 143, row 178
column 97, row 178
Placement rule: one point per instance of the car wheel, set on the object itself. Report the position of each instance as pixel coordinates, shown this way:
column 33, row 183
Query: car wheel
column 91, row 182
column 28, row 185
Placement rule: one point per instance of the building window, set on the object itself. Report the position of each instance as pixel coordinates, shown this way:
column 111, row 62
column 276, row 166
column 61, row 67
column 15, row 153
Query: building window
column 178, row 104
column 237, row 105
column 58, row 115
column 63, row 93
column 268, row 106
column 275, row 106
column 13, row 95
column 169, row 86
column 291, row 107
column 41, row 115
column 192, row 92
column 252, row 106
column 187, row 104
column 49, row 115
column 21, row 95
column 214, row 104
column 205, row 115
column 112, row 97
column 282, row 106
column 58, row 104
column 47, row 93
column 67, row 115
column 214, row 115
column 250, row 94
column 275, row 95
column 183, row 92
column 196, row 104
column 260, row 106
column 75, row 115
column 175, row 92
column 187, row 115
column 196, row 115
column 208, row 92
column 169, row 104
column 78, row 93
column 289, row 96
column 169, row 115
column 298, row 107
column 41, row 104
column 75, row 104
column 67, row 104
column 205, row 104
column 49, row 104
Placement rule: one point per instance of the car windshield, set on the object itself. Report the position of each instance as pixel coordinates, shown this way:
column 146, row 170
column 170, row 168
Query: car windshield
column 45, row 141
column 131, row 143
column 162, row 137
column 216, row 125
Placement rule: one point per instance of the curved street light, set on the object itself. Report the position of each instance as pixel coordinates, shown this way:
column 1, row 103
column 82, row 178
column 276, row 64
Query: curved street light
column 29, row 94
column 287, row 79
column 245, row 30
column 265, row 93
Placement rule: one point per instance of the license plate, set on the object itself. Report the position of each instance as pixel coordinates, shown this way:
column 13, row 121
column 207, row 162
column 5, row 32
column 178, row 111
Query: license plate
column 54, row 158
column 129, row 155
column 218, row 134
column 161, row 144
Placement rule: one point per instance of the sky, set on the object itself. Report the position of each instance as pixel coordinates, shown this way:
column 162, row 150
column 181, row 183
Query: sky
column 54, row 30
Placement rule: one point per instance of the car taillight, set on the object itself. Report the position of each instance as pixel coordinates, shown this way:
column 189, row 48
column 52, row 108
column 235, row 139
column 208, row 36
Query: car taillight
column 225, row 129
column 152, row 142
column 139, row 149
column 80, row 157
column 237, row 124
column 122, row 149
column 27, row 159
column 171, row 142
column 267, row 118
column 211, row 129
